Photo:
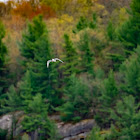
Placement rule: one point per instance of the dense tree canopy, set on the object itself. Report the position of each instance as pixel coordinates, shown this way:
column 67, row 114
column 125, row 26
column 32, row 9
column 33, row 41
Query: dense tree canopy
column 99, row 43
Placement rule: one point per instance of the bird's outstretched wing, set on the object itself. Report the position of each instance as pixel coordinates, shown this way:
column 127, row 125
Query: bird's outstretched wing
column 58, row 60
column 48, row 63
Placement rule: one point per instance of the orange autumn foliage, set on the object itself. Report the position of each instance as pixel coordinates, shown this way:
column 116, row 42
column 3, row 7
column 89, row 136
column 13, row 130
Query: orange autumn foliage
column 45, row 10
column 23, row 9
column 26, row 10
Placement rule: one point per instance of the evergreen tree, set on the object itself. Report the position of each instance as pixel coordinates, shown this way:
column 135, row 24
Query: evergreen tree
column 70, row 58
column 13, row 101
column 110, row 31
column 108, row 99
column 109, row 91
column 3, row 49
column 33, row 33
column 86, row 55
column 95, row 134
column 37, row 49
column 82, row 24
column 3, row 52
column 131, row 72
column 127, row 118
column 45, row 78
column 135, row 6
column 26, row 88
column 37, row 119
column 93, row 23
column 128, row 36
column 77, row 101
column 129, row 32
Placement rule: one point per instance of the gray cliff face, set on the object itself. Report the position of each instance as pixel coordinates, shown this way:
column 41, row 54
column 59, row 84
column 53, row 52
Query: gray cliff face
column 67, row 131
column 81, row 128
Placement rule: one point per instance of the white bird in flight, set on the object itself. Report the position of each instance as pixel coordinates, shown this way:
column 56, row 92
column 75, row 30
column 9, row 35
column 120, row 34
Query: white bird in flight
column 53, row 60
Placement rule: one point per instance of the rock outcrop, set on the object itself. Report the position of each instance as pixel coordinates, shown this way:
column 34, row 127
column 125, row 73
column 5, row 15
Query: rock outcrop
column 6, row 120
column 67, row 131
column 75, row 131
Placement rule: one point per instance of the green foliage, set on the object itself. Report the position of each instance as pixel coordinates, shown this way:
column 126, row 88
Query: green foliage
column 37, row 118
column 129, row 32
column 26, row 88
column 127, row 118
column 37, row 105
column 5, row 82
column 111, row 31
column 31, row 123
column 110, row 90
column 85, row 23
column 46, row 78
column 77, row 101
column 128, row 35
column 95, row 134
column 34, row 31
column 135, row 6
column 108, row 98
column 131, row 72
column 117, row 60
column 13, row 101
column 3, row 52
column 99, row 73
column 37, row 49
column 93, row 23
column 2, row 28
column 70, row 58
column 3, row 49
column 86, row 55
column 82, row 24
column 3, row 134
column 42, row 90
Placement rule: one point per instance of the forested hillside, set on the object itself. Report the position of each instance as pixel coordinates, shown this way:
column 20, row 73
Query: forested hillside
column 99, row 43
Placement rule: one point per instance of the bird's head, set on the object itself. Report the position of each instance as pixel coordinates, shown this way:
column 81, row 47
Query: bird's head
column 53, row 60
